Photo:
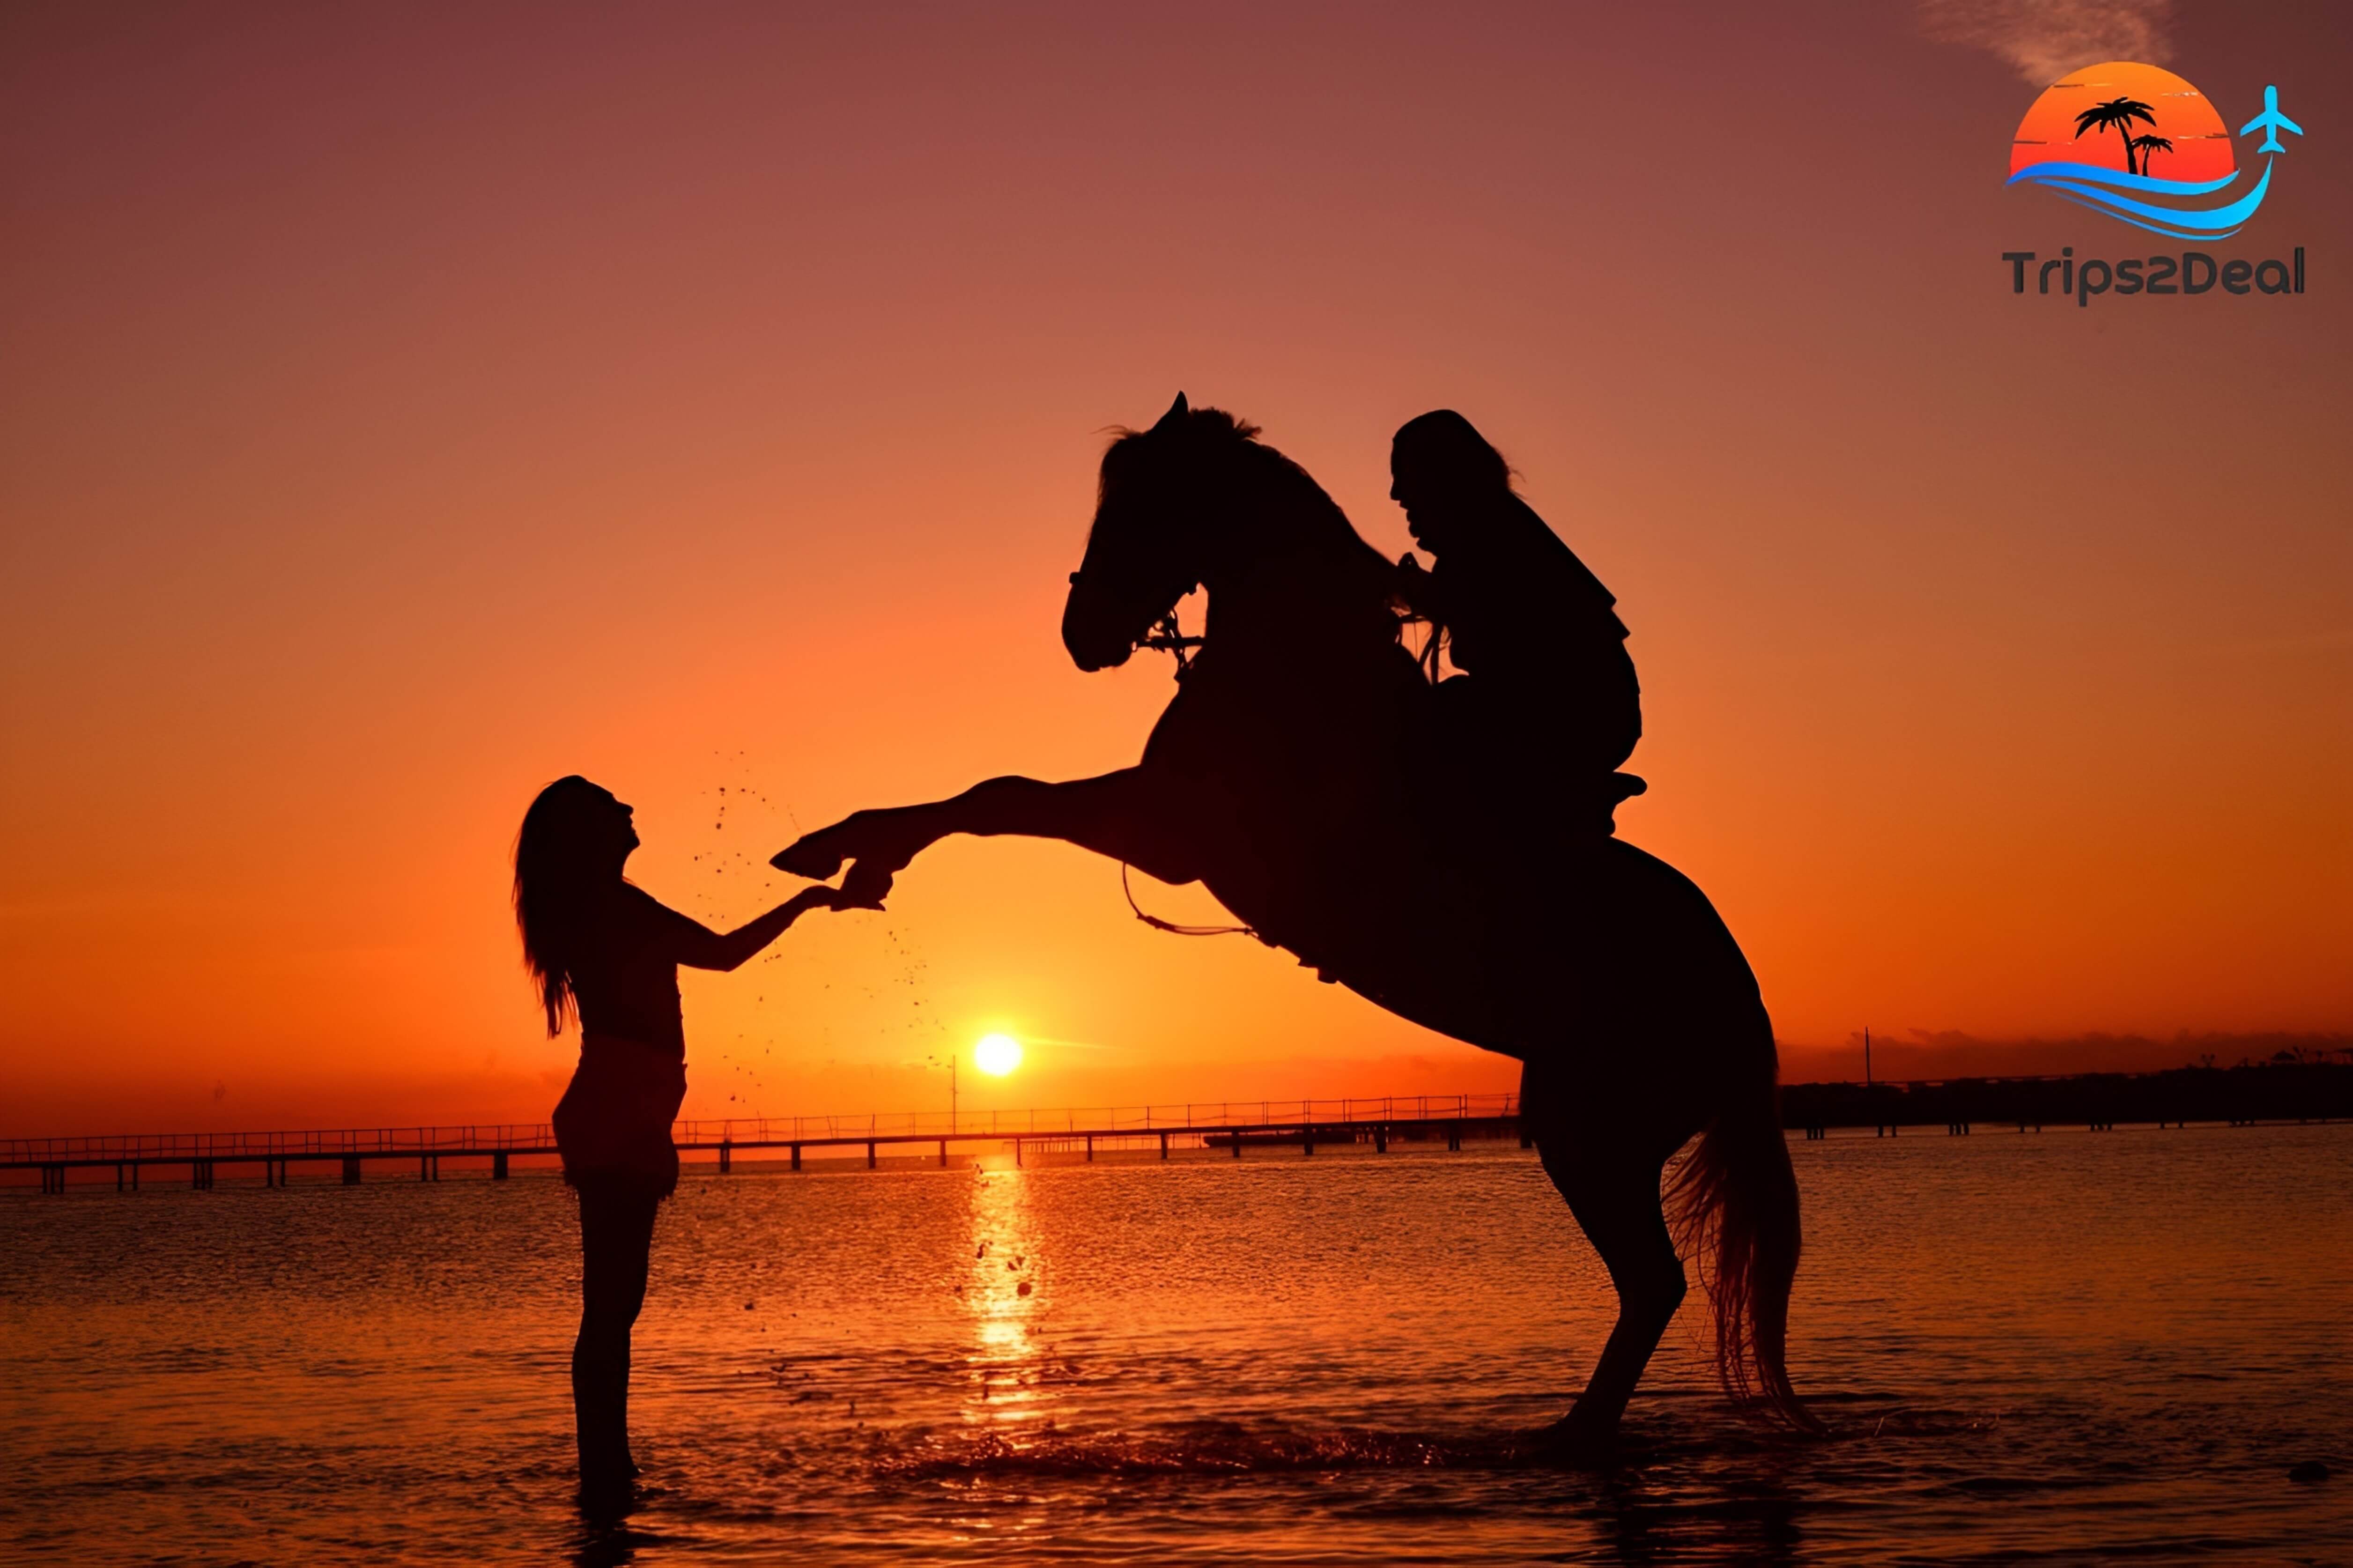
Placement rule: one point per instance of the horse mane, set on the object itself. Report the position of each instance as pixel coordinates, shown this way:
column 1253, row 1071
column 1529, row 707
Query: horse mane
column 1358, row 580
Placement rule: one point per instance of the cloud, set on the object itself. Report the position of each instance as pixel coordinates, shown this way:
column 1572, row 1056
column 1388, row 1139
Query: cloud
column 2045, row 39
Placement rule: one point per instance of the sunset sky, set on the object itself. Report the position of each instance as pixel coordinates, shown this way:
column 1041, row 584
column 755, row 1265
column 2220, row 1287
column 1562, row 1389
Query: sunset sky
column 408, row 405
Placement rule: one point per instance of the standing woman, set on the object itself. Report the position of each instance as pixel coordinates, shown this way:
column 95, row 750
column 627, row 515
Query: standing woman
column 599, row 947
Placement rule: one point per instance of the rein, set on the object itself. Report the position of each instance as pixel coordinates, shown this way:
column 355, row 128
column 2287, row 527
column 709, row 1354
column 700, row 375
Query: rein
column 1171, row 927
column 1169, row 638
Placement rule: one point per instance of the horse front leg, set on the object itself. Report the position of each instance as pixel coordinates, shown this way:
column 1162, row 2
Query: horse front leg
column 1127, row 815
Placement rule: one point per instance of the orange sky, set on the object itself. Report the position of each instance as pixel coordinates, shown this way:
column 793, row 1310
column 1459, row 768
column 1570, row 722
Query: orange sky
column 408, row 406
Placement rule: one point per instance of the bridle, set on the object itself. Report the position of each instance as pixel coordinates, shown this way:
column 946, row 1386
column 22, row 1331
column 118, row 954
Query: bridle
column 1165, row 635
column 1168, row 636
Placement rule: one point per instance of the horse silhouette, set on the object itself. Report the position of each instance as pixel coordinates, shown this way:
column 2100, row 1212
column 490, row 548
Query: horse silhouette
column 1297, row 775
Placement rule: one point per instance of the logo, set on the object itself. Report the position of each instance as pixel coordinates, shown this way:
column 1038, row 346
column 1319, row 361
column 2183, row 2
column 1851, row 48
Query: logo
column 2143, row 147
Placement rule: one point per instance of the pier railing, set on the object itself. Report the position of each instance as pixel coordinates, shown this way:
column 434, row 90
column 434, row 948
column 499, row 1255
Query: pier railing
column 173, row 1148
column 1102, row 1122
column 1142, row 1121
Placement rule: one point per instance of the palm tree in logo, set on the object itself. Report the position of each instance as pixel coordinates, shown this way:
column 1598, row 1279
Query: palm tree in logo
column 2117, row 114
column 2149, row 144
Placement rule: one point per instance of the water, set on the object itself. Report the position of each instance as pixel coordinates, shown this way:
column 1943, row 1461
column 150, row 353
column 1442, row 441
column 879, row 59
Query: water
column 2070, row 1347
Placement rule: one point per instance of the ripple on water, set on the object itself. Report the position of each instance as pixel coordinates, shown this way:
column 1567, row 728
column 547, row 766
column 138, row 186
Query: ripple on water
column 2049, row 1349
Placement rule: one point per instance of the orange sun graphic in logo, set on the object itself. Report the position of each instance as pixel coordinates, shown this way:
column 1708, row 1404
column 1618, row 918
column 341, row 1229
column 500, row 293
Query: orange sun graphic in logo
column 2144, row 121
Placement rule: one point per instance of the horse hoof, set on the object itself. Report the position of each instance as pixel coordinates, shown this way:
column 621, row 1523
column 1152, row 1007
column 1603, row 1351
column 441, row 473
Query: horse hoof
column 1575, row 1443
column 803, row 859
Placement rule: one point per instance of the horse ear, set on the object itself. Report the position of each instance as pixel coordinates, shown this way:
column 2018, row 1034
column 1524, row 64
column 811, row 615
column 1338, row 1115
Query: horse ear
column 1175, row 415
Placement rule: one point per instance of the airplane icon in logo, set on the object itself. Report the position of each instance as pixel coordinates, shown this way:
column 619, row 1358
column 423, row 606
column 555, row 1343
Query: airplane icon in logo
column 2272, row 122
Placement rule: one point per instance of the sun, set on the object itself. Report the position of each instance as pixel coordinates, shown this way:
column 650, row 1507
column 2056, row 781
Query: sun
column 996, row 1055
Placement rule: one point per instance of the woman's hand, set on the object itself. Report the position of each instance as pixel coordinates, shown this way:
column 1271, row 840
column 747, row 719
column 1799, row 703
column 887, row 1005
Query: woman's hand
column 848, row 895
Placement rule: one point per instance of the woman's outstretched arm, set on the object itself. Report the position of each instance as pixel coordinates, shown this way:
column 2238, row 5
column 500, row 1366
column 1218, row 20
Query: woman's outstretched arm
column 697, row 946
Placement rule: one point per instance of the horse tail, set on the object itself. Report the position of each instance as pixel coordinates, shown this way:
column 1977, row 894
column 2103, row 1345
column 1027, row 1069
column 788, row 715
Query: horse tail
column 1734, row 1202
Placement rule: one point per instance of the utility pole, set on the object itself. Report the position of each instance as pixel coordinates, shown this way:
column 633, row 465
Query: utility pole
column 952, row 1091
column 1866, row 1056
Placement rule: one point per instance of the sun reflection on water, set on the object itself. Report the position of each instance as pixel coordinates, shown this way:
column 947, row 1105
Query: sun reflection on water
column 1004, row 1301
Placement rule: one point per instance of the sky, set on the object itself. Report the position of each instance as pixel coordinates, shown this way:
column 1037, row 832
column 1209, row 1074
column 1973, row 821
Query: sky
column 407, row 405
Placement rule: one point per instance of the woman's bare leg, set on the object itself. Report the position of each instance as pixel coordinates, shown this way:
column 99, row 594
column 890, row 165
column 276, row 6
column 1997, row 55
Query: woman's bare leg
column 617, row 1230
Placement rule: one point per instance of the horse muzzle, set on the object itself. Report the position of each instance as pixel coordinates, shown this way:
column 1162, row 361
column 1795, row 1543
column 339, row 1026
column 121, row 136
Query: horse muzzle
column 1095, row 637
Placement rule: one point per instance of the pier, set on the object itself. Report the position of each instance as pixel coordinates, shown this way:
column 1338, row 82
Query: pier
column 1028, row 1136
column 2252, row 1093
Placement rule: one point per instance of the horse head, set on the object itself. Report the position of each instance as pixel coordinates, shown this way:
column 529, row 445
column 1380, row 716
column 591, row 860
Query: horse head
column 1194, row 502
column 1139, row 559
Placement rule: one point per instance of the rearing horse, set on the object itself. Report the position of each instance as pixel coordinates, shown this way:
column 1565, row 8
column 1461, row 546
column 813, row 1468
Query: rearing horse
column 1296, row 774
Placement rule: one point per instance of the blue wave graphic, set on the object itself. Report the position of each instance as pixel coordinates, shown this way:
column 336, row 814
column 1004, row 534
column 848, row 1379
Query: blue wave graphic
column 2105, row 190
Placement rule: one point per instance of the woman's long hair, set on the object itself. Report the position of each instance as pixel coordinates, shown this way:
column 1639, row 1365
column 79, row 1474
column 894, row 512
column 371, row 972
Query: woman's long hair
column 560, row 857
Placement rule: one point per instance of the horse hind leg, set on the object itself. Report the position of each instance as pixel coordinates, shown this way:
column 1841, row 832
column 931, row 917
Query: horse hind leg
column 1617, row 1203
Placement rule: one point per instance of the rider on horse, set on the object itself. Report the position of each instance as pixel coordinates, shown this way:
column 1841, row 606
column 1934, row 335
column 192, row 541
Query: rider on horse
column 1547, row 707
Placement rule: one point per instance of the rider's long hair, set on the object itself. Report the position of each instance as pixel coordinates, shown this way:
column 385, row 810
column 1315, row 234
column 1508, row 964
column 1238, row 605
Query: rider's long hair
column 1448, row 446
column 561, row 856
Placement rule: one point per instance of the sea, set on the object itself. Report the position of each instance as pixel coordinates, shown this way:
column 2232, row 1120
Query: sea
column 2133, row 1346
